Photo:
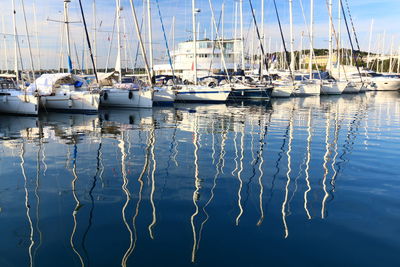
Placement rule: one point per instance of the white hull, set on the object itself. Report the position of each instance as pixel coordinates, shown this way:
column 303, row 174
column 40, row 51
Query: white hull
column 333, row 88
column 389, row 84
column 75, row 101
column 308, row 89
column 122, row 98
column 282, row 91
column 352, row 88
column 18, row 103
column 193, row 93
column 164, row 95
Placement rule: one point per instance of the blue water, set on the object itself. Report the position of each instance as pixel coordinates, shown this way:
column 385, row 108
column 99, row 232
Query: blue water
column 303, row 181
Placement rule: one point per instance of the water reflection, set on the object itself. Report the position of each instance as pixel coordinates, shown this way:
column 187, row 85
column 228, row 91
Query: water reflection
column 185, row 181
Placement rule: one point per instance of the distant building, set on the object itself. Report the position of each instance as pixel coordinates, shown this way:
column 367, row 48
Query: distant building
column 209, row 59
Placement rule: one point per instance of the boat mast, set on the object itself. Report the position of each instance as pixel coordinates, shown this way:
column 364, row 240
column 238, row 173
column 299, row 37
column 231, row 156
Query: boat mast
column 301, row 50
column 370, row 41
column 118, row 66
column 194, row 11
column 311, row 37
column 29, row 41
column 15, row 43
column 95, row 31
column 330, row 36
column 339, row 44
column 173, row 42
column 142, row 48
column 242, row 34
column 235, row 37
column 292, row 56
column 149, row 20
column 37, row 35
column 67, row 34
column 5, row 44
column 262, row 37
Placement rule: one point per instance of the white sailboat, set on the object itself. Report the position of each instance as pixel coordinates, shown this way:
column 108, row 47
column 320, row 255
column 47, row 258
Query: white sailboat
column 332, row 87
column 16, row 101
column 117, row 93
column 195, row 92
column 65, row 91
column 12, row 99
column 312, row 86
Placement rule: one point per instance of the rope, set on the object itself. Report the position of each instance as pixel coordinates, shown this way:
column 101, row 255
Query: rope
column 350, row 39
column 166, row 41
column 259, row 36
column 283, row 40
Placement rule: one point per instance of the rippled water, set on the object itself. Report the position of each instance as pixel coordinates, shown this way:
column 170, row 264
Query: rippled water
column 303, row 181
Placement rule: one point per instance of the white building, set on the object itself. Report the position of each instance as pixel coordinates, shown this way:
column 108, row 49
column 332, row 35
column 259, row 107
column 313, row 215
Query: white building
column 209, row 58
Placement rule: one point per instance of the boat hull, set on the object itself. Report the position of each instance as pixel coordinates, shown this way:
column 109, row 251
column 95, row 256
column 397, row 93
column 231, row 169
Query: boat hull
column 76, row 101
column 308, row 89
column 19, row 104
column 120, row 98
column 352, row 88
column 202, row 94
column 163, row 96
column 333, row 88
column 387, row 85
column 282, row 91
column 256, row 93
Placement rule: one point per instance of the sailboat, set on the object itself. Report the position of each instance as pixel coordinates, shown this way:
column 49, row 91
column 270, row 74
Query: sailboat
column 65, row 91
column 332, row 87
column 311, row 86
column 16, row 101
column 120, row 94
column 195, row 92
column 13, row 100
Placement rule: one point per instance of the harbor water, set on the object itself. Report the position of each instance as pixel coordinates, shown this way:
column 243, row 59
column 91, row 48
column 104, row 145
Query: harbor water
column 302, row 181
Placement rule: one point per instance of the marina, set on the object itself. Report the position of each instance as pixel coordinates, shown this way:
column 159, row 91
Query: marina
column 312, row 176
column 199, row 133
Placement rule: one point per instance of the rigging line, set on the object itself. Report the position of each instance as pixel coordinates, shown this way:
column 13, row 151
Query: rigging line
column 88, row 41
column 283, row 40
column 259, row 36
column 350, row 39
column 29, row 40
column 111, row 42
column 354, row 29
column 166, row 41
column 309, row 35
column 214, row 43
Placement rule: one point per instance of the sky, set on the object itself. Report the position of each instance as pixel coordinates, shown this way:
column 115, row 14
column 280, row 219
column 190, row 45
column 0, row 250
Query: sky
column 49, row 48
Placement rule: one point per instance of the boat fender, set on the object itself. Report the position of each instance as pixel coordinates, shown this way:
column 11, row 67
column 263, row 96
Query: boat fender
column 5, row 99
column 130, row 95
column 70, row 103
column 105, row 96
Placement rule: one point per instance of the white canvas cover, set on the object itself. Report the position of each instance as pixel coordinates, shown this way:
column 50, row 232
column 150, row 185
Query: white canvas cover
column 107, row 79
column 48, row 83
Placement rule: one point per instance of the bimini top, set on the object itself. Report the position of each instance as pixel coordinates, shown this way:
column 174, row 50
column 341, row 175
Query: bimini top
column 47, row 84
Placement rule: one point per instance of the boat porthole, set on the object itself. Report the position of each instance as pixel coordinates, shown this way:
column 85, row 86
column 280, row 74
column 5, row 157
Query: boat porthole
column 212, row 84
column 130, row 95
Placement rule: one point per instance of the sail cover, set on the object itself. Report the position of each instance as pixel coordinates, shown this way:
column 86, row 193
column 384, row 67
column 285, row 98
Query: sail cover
column 48, row 83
